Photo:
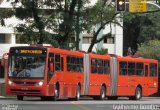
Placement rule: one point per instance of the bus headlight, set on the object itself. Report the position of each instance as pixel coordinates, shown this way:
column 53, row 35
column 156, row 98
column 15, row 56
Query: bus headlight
column 40, row 83
column 10, row 82
column 155, row 84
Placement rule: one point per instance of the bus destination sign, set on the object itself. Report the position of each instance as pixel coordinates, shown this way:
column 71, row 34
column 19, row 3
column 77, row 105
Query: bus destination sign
column 31, row 51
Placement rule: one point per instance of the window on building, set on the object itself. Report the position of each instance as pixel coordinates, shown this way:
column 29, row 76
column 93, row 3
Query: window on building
column 109, row 40
column 87, row 40
column 21, row 39
column 2, row 38
column 72, row 39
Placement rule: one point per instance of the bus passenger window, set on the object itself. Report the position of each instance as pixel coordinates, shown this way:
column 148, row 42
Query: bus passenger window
column 68, row 63
column 131, row 68
column 57, row 63
column 153, row 69
column 62, row 66
column 123, row 68
column 94, row 65
column 139, row 69
column 81, row 64
column 100, row 66
column 106, row 67
column 146, row 70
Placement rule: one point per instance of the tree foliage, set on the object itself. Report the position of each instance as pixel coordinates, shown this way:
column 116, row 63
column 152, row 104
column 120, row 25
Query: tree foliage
column 58, row 21
column 140, row 28
column 5, row 13
column 150, row 50
column 101, row 51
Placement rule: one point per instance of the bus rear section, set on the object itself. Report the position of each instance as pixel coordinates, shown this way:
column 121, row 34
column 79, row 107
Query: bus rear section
column 137, row 77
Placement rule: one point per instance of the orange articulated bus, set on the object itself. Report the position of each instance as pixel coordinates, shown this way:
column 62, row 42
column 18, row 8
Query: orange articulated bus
column 49, row 72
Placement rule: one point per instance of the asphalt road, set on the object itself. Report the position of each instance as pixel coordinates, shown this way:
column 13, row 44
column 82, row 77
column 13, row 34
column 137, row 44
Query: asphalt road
column 146, row 103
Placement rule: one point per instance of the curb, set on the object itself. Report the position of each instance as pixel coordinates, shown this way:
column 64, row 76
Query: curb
column 2, row 96
column 7, row 97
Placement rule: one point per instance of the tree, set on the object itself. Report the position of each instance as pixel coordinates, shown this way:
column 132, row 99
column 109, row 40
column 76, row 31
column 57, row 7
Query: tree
column 60, row 17
column 101, row 51
column 140, row 28
column 101, row 13
column 150, row 50
column 5, row 13
column 56, row 22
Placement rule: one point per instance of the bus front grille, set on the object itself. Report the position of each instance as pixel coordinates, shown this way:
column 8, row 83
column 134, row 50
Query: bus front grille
column 29, row 92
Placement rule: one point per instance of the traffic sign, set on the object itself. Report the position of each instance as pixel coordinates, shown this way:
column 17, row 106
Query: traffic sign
column 137, row 5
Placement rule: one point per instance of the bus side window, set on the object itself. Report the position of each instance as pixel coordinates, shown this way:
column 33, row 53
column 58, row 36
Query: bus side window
column 62, row 66
column 146, row 70
column 123, row 68
column 153, row 70
column 57, row 62
column 140, row 69
column 94, row 66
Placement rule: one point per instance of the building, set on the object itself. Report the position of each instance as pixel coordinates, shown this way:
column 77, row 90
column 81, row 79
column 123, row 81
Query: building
column 114, row 44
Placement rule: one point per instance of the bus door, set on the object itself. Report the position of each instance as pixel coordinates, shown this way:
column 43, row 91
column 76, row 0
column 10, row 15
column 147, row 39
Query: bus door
column 70, row 78
column 123, row 78
column 146, row 79
column 93, row 78
column 153, row 79
column 59, row 72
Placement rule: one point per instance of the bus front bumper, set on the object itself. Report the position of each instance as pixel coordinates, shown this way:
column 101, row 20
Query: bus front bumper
column 27, row 90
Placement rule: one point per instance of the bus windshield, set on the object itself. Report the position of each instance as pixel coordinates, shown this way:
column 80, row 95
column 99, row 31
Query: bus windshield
column 27, row 66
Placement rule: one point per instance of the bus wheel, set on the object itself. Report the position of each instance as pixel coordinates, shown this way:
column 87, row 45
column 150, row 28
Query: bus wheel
column 138, row 93
column 78, row 93
column 102, row 93
column 19, row 97
column 112, row 98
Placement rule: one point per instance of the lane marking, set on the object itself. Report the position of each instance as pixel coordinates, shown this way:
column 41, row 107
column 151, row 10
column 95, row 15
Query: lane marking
column 80, row 106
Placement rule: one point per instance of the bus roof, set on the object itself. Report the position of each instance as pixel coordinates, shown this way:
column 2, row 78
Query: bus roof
column 136, row 59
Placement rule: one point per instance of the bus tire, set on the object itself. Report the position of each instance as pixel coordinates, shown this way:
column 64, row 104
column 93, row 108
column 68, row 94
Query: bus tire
column 138, row 93
column 112, row 98
column 78, row 93
column 102, row 93
column 19, row 97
